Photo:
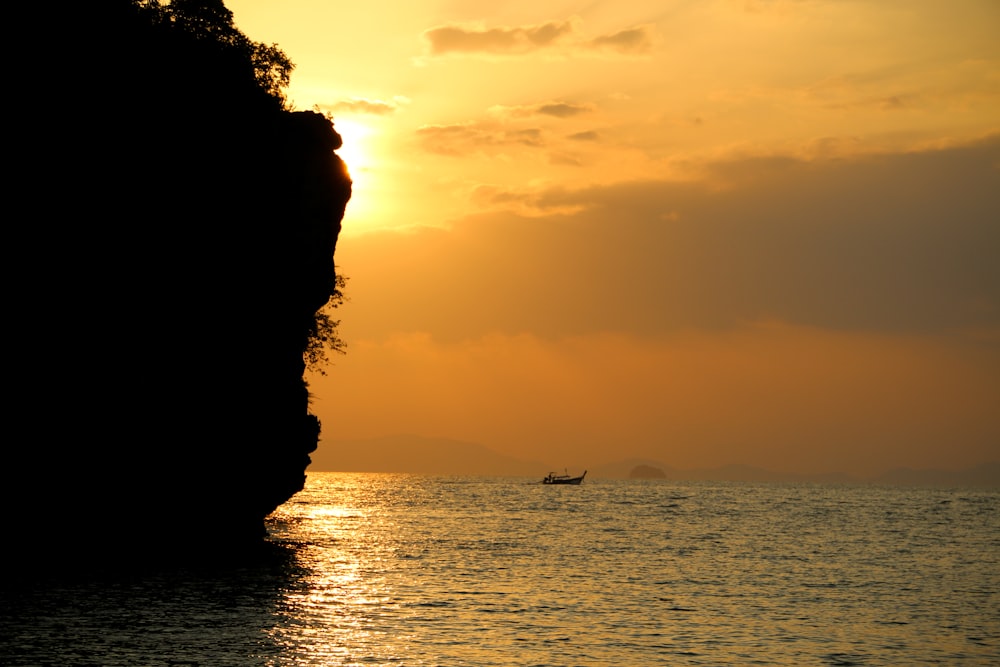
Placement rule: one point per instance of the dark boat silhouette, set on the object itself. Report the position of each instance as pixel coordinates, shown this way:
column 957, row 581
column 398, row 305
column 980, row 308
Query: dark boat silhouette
column 553, row 478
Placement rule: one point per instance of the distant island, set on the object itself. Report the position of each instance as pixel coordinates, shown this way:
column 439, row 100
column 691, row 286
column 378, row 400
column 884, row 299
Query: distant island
column 644, row 471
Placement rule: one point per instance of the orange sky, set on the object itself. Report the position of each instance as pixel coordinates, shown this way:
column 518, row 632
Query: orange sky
column 699, row 232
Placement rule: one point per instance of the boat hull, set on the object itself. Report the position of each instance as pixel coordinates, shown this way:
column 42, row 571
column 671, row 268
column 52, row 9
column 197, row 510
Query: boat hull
column 552, row 478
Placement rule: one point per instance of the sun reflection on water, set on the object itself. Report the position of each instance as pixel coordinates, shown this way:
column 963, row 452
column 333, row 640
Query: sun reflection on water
column 340, row 546
column 430, row 571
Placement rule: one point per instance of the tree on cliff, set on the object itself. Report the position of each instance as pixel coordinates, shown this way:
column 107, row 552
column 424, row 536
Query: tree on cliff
column 324, row 336
column 210, row 22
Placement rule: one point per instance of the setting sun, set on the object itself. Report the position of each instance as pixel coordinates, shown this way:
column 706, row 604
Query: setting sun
column 358, row 154
column 356, row 150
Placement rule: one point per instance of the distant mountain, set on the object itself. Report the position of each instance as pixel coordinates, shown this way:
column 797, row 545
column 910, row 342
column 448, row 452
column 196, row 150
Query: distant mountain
column 419, row 455
column 727, row 473
column 444, row 456
column 986, row 474
column 745, row 473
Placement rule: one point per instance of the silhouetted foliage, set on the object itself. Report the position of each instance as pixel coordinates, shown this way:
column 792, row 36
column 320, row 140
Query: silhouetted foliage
column 160, row 173
column 210, row 21
column 324, row 336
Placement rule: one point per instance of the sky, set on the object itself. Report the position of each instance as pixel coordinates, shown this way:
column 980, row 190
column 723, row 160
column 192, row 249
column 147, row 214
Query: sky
column 698, row 232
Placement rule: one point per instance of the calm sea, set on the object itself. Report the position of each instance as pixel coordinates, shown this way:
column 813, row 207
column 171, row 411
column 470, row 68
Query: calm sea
column 414, row 570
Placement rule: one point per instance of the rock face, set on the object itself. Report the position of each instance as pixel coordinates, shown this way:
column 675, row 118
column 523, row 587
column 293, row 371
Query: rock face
column 176, row 227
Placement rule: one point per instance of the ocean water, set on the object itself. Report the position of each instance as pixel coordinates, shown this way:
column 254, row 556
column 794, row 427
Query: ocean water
column 415, row 570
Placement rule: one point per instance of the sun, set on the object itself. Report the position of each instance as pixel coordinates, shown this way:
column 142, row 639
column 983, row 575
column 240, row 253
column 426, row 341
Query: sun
column 380, row 194
column 354, row 151
column 358, row 154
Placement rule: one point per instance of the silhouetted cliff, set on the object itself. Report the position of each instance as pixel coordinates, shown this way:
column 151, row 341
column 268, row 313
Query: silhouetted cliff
column 174, row 226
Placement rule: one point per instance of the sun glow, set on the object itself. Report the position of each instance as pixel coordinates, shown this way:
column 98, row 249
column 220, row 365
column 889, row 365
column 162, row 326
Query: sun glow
column 356, row 144
column 566, row 171
column 367, row 210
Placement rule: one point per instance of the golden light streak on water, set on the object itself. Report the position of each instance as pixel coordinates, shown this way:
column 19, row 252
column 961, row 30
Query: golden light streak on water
column 419, row 571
